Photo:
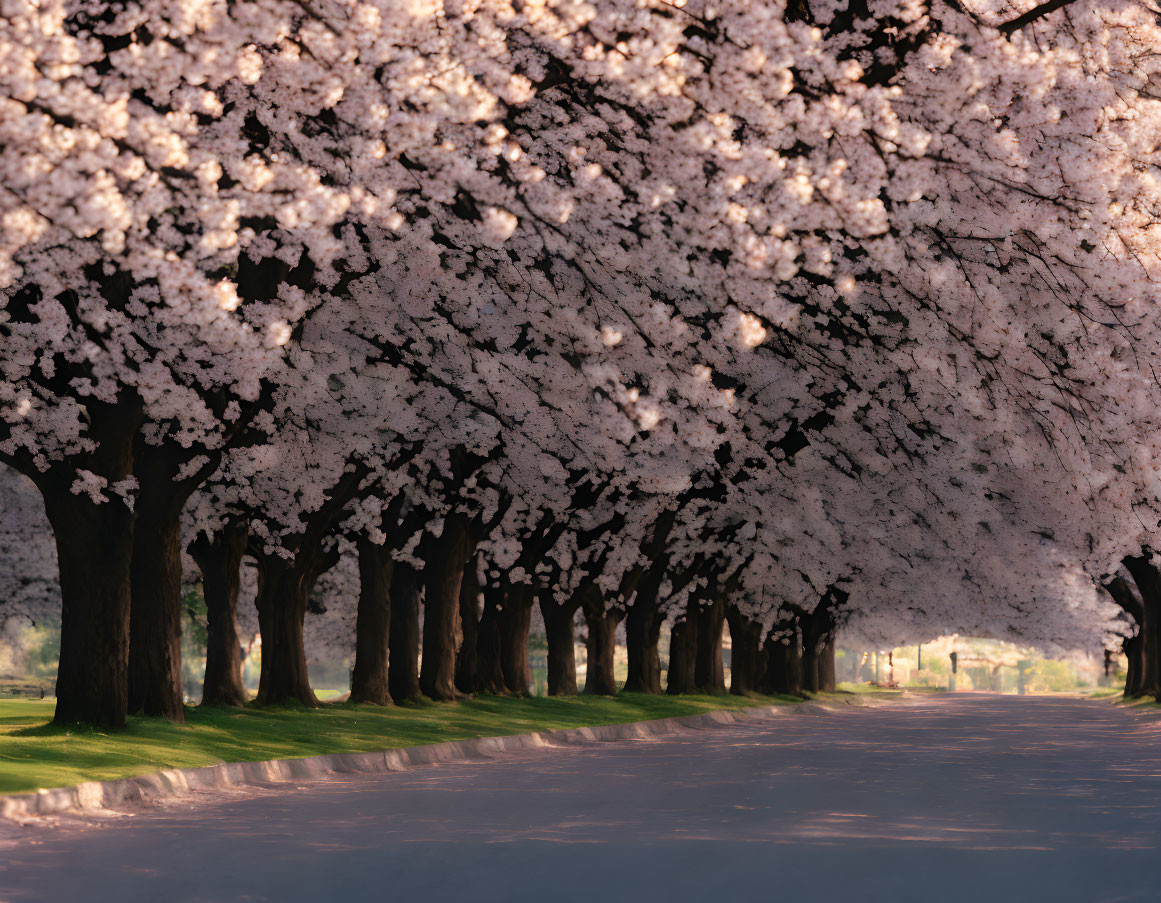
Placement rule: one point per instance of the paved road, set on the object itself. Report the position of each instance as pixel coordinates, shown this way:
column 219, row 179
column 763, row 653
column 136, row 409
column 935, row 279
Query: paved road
column 969, row 798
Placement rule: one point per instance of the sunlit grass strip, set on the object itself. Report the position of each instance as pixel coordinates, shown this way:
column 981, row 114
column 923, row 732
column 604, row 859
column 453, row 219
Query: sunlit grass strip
column 35, row 754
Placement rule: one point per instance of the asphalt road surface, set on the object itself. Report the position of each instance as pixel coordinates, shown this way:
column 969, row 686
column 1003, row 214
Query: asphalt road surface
column 984, row 799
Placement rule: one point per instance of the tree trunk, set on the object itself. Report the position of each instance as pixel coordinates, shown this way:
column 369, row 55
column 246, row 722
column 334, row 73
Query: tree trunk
column 794, row 665
column 467, row 657
column 489, row 667
column 155, row 684
column 1148, row 581
column 600, row 647
column 1134, row 649
column 155, row 613
column 561, row 645
column 709, row 672
column 826, row 673
column 403, row 634
column 220, row 561
column 745, row 642
column 444, row 558
column 642, row 635
column 814, row 630
column 682, row 654
column 810, row 668
column 94, row 544
column 372, row 624
column 1134, row 646
column 783, row 663
column 515, row 622
column 283, row 593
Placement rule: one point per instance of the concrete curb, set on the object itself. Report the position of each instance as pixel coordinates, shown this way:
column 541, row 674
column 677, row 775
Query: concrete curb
column 93, row 797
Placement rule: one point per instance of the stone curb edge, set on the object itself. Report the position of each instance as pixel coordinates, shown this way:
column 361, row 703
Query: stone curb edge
column 169, row 783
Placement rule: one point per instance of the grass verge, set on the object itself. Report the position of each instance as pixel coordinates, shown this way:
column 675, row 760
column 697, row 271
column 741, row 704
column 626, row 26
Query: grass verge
column 35, row 754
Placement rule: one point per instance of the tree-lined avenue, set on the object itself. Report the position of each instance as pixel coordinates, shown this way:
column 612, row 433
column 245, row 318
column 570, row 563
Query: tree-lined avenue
column 955, row 798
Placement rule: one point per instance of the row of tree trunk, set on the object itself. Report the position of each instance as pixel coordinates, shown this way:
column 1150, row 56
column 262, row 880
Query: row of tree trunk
column 475, row 638
column 120, row 658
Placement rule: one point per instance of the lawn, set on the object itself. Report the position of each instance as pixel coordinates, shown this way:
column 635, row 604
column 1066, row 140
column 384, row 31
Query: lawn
column 36, row 754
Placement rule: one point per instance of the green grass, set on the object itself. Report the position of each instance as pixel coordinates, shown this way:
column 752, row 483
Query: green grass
column 36, row 754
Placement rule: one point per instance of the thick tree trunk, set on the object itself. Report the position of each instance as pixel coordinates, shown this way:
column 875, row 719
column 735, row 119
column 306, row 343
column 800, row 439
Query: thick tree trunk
column 155, row 614
column 444, row 558
column 709, row 672
column 515, row 622
column 220, row 562
column 489, row 669
column 794, row 666
column 642, row 635
column 94, row 545
column 783, row 664
column 745, row 642
column 682, row 654
column 1134, row 646
column 600, row 647
column 155, row 680
column 810, row 668
column 372, row 624
column 403, row 634
column 467, row 657
column 561, row 645
column 283, row 593
column 1148, row 581
column 826, row 673
column 1134, row 649
column 815, row 627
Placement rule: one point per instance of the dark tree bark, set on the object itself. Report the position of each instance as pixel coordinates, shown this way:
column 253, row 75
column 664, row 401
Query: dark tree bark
column 515, row 622
column 1148, row 581
column 784, row 658
column 94, row 551
column 489, row 670
column 561, row 643
column 709, row 672
column 600, row 646
column 403, row 634
column 643, row 619
column 1134, row 649
column 155, row 684
column 369, row 682
column 682, row 654
column 1134, row 646
column 94, row 543
column 815, row 626
column 444, row 559
column 284, row 586
column 826, row 671
column 467, row 657
column 643, row 634
column 810, row 667
column 283, row 594
column 783, row 667
column 220, row 561
column 794, row 663
column 155, row 613
column 745, row 642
